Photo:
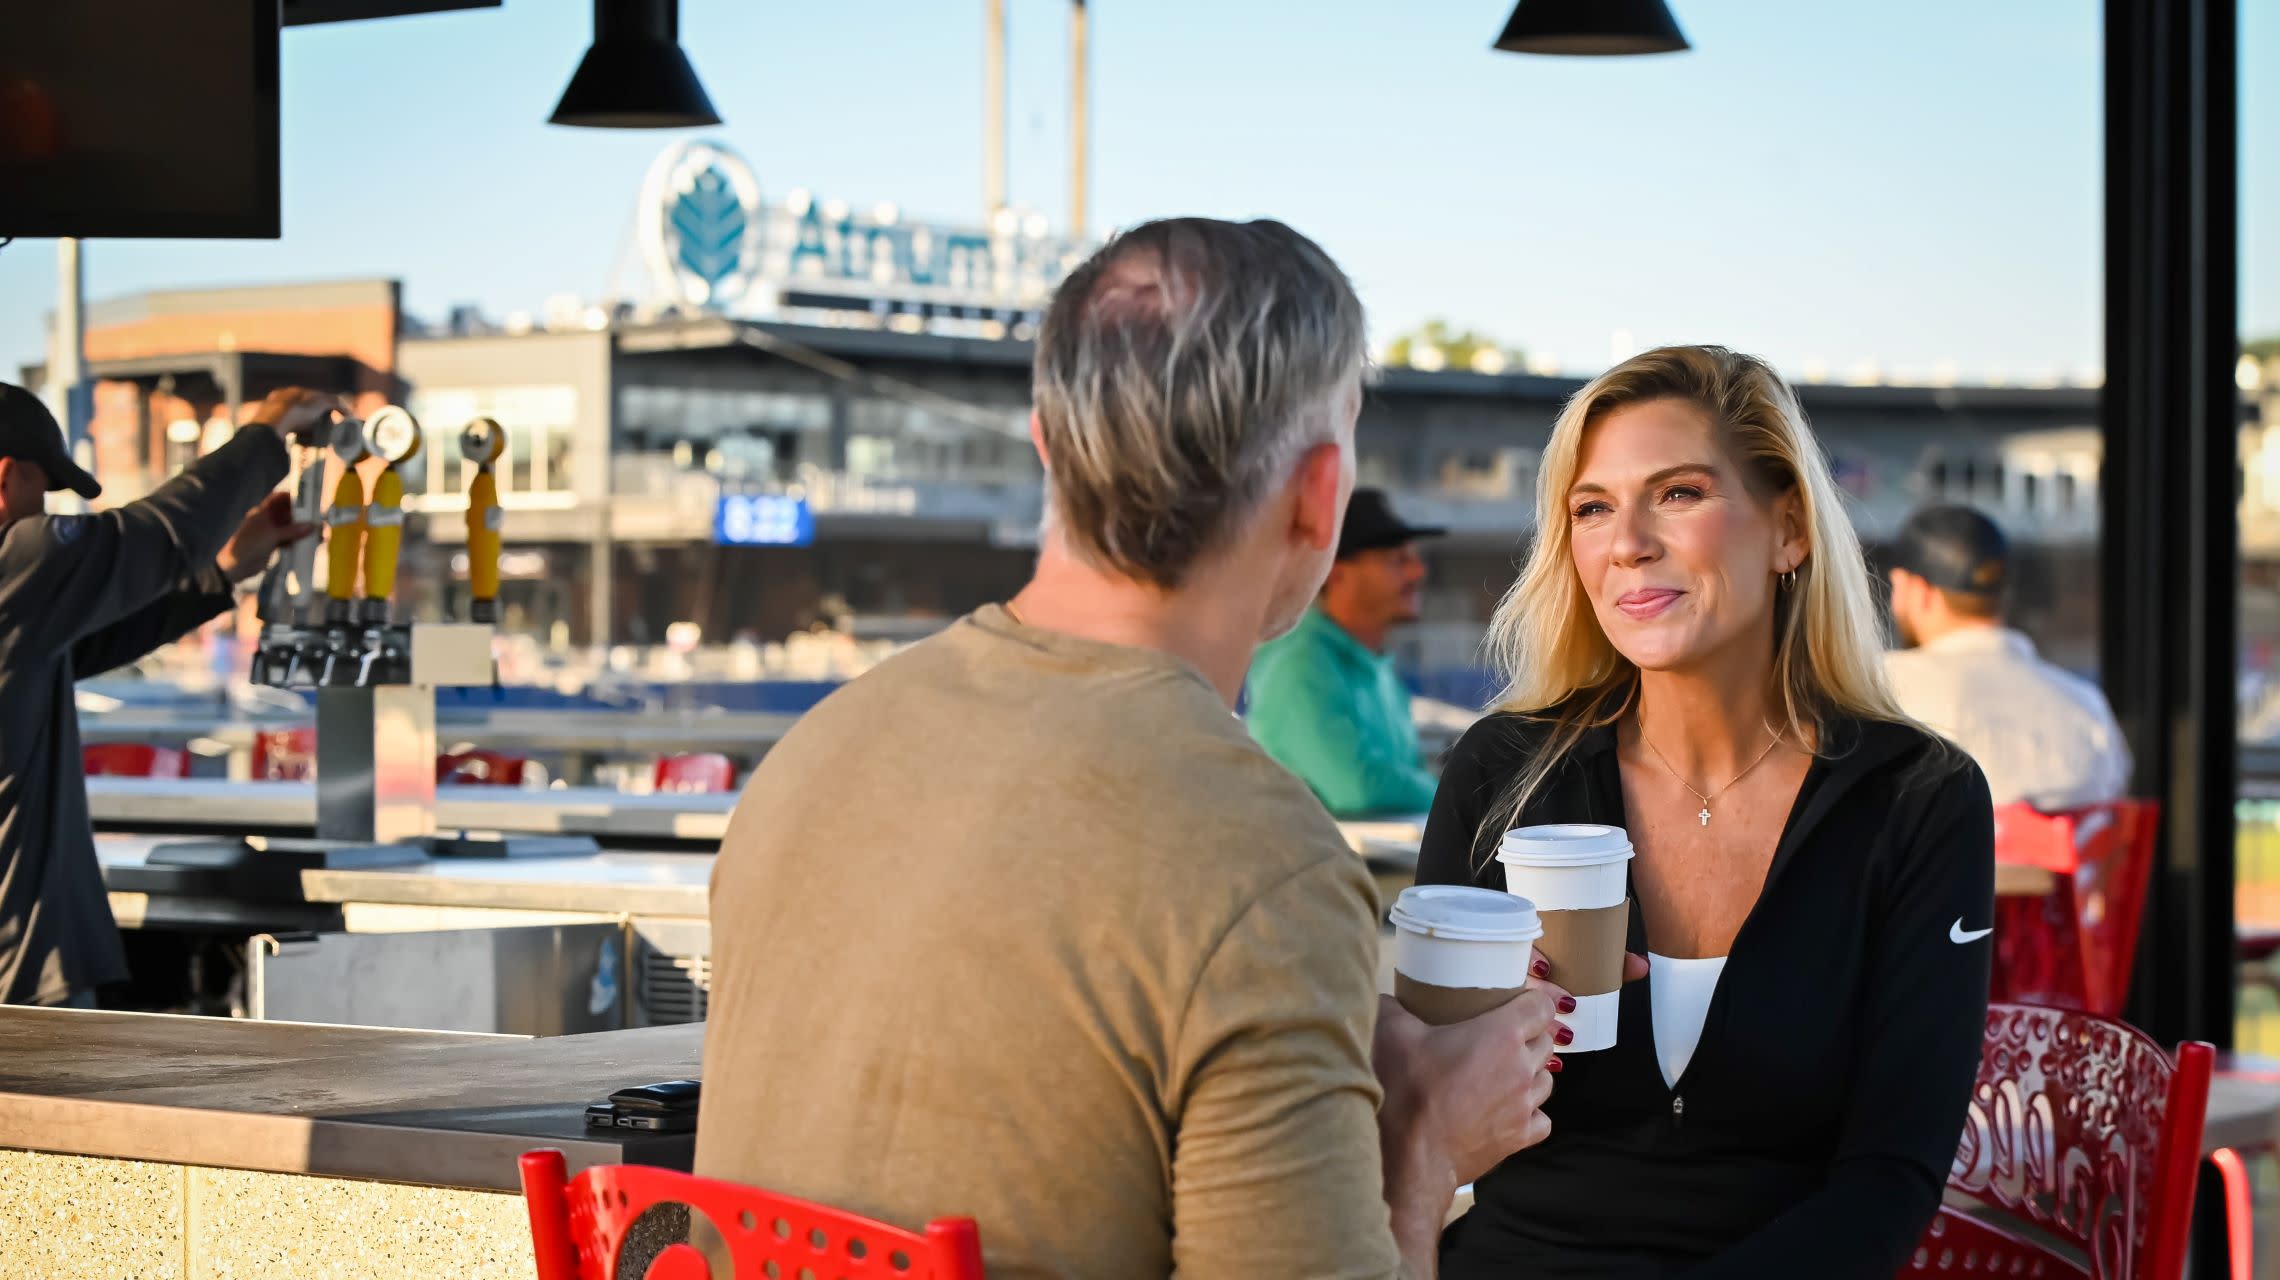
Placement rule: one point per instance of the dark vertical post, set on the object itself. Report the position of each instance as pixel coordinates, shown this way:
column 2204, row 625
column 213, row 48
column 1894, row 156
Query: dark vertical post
column 2170, row 543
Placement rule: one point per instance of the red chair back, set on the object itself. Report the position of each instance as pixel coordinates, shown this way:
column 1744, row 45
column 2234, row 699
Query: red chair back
column 2075, row 948
column 285, row 755
column 578, row 1225
column 479, row 769
column 704, row 771
column 133, row 760
column 1957, row 1244
column 2080, row 1130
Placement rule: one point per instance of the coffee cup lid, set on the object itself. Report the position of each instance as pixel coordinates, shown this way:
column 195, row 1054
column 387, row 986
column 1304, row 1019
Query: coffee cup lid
column 1466, row 913
column 1565, row 844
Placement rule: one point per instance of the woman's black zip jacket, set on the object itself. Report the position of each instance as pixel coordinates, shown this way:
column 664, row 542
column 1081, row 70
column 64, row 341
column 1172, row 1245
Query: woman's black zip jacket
column 1813, row 1128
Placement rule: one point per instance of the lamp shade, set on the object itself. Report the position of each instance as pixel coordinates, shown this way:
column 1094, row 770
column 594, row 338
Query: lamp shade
column 635, row 76
column 1592, row 28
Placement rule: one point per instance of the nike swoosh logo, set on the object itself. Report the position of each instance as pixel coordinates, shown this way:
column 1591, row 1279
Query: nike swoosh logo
column 1958, row 936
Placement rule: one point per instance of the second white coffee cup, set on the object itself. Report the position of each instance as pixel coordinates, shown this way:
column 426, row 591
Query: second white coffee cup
column 1577, row 875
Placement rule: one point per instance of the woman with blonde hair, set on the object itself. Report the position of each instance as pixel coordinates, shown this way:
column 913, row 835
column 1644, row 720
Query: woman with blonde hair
column 1691, row 654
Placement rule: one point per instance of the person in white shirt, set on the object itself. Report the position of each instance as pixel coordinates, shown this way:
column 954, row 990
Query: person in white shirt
column 2041, row 734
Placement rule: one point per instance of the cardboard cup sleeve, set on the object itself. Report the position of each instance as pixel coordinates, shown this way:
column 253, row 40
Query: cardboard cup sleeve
column 1585, row 948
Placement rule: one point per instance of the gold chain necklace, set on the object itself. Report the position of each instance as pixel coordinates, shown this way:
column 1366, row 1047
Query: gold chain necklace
column 1706, row 799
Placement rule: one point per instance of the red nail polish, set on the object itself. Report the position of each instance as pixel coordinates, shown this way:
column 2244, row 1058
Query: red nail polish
column 1552, row 1064
column 1565, row 1004
column 1541, row 968
column 1561, row 1035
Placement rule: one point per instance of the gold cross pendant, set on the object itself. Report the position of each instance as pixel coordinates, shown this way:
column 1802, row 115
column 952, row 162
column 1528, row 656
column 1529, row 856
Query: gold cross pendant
column 1704, row 815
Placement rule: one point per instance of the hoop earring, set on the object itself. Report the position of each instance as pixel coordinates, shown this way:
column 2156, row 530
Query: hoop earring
column 1789, row 580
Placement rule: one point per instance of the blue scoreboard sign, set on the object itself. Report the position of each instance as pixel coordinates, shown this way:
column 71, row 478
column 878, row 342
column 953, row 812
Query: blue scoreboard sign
column 762, row 520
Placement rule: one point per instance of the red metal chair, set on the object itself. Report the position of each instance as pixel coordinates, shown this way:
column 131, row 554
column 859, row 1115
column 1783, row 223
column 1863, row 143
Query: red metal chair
column 133, row 760
column 2074, row 948
column 577, row 1226
column 2079, row 1153
column 285, row 755
column 706, row 771
column 477, row 768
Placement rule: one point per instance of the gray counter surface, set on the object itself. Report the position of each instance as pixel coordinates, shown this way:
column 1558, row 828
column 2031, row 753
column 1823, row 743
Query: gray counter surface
column 747, row 734
column 212, row 804
column 615, row 882
column 624, row 879
column 440, row 1109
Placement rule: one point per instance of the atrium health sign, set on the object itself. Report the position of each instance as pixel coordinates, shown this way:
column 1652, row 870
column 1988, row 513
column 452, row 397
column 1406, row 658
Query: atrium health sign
column 700, row 224
column 710, row 241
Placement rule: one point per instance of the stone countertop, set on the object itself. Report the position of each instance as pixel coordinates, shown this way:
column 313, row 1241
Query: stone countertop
column 433, row 1108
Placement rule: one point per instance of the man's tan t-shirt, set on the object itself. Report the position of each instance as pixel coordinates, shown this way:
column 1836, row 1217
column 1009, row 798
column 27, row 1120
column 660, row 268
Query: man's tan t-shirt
column 1025, row 927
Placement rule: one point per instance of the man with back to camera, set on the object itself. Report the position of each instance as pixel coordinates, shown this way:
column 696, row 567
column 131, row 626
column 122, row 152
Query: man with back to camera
column 80, row 595
column 1324, row 699
column 2041, row 735
column 1023, row 926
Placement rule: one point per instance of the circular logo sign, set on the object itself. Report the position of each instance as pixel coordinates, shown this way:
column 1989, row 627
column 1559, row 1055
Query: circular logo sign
column 700, row 223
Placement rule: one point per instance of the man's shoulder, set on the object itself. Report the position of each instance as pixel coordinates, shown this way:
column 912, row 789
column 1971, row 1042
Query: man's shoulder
column 1305, row 647
column 34, row 544
column 2081, row 687
column 33, row 536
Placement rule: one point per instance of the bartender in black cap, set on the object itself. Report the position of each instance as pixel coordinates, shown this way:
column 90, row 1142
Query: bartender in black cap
column 79, row 595
column 2041, row 734
column 1324, row 700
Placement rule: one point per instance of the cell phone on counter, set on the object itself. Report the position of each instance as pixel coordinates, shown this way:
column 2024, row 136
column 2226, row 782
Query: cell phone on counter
column 666, row 1107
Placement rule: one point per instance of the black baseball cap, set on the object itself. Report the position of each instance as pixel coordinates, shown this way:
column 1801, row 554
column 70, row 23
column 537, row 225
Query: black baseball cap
column 1371, row 525
column 1954, row 548
column 28, row 431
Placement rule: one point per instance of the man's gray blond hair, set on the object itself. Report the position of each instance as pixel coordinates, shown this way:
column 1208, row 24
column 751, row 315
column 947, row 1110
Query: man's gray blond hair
column 1181, row 372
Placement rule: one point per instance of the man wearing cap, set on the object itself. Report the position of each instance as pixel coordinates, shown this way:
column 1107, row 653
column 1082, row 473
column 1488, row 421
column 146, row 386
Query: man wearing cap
column 81, row 594
column 1324, row 700
column 2042, row 735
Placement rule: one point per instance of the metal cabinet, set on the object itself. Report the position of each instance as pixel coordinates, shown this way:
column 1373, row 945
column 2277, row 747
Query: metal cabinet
column 542, row 980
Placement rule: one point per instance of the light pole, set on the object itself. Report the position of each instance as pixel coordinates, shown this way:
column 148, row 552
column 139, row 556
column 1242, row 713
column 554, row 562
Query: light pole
column 1080, row 140
column 993, row 111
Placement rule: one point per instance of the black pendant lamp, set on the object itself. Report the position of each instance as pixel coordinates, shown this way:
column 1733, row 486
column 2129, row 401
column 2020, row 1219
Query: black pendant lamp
column 1592, row 28
column 635, row 75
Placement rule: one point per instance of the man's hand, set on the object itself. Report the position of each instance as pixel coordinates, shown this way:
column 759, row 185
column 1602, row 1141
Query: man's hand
column 296, row 412
column 1458, row 1099
column 1472, row 1091
column 1461, row 1098
column 265, row 528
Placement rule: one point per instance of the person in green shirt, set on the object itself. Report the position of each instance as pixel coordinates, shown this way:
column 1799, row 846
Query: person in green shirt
column 1324, row 699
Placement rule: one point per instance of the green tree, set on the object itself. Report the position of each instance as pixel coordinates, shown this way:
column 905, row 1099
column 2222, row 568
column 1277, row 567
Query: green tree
column 1435, row 345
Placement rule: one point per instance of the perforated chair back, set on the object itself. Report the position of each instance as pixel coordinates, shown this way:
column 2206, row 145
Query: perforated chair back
column 579, row 1226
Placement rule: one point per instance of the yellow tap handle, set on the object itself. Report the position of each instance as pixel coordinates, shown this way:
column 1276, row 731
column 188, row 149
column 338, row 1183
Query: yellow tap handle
column 344, row 534
column 484, row 520
column 383, row 537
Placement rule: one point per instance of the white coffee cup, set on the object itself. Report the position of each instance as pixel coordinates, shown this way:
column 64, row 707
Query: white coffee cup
column 1577, row 876
column 1458, row 951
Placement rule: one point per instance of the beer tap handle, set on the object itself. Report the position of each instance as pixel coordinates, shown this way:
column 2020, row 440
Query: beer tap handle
column 482, row 443
column 395, row 437
column 344, row 529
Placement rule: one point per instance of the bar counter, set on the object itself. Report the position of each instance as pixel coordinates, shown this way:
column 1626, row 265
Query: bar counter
column 150, row 1145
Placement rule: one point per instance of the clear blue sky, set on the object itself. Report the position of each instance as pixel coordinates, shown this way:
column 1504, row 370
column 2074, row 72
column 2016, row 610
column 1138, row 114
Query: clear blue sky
column 1899, row 183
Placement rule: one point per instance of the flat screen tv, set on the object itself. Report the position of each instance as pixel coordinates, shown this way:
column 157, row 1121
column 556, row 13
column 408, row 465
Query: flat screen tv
column 139, row 118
